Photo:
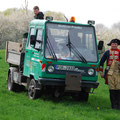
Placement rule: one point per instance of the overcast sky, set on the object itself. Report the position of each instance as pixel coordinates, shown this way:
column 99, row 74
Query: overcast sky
column 106, row 12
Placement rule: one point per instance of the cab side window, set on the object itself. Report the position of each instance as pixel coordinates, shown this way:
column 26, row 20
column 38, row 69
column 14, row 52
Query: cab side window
column 38, row 44
column 32, row 32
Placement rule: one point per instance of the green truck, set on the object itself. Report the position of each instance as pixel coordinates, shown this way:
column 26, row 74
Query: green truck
column 58, row 57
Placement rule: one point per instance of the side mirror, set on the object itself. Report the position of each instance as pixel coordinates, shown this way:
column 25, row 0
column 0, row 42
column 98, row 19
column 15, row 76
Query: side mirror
column 49, row 18
column 100, row 45
column 91, row 22
column 32, row 39
column 25, row 35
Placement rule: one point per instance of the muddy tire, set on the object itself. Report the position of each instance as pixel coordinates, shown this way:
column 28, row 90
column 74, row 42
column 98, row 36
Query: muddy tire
column 10, row 84
column 81, row 96
column 33, row 93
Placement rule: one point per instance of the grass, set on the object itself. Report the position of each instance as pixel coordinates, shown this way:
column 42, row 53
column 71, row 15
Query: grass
column 17, row 106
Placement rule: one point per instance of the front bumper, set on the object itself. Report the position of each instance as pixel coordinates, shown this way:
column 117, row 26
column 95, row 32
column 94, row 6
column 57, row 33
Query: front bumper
column 61, row 82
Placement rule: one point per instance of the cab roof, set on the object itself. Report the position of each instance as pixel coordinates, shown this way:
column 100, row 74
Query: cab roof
column 38, row 22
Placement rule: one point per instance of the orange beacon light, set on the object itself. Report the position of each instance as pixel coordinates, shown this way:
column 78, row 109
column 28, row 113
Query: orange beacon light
column 72, row 19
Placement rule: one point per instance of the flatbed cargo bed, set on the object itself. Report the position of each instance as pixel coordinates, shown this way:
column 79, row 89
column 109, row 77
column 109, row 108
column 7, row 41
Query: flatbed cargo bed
column 14, row 54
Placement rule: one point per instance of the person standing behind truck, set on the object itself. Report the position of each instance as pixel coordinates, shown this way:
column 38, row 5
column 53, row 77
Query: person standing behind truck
column 38, row 14
column 101, row 48
column 112, row 72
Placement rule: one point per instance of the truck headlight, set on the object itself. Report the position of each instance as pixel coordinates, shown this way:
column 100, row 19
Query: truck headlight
column 50, row 68
column 91, row 71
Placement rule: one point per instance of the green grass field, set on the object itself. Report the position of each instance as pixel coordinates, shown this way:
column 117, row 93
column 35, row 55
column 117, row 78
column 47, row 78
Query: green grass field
column 17, row 106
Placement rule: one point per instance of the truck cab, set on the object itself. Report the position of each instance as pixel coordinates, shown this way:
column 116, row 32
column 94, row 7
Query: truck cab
column 62, row 56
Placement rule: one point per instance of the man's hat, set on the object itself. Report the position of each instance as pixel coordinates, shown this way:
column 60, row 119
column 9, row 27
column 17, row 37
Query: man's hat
column 114, row 41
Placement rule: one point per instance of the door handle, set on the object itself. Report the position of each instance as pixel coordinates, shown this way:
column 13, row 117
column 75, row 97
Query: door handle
column 26, row 51
column 32, row 52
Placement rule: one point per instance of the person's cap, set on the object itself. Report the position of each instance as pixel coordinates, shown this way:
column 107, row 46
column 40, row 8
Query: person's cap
column 114, row 41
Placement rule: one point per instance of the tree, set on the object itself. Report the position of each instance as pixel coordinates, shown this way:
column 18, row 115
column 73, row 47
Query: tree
column 56, row 15
column 105, row 34
column 13, row 26
column 25, row 7
column 116, row 26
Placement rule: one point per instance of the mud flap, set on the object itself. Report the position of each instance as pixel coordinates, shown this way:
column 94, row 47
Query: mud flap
column 73, row 82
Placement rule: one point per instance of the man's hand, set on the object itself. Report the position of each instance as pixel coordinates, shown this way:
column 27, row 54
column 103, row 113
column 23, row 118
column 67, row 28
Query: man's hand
column 102, row 75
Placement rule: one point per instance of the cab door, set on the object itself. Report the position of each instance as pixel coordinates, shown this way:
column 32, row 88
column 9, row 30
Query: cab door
column 37, row 53
column 28, row 51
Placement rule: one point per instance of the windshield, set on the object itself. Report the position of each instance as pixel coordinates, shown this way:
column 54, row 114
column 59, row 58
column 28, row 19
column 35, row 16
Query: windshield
column 70, row 42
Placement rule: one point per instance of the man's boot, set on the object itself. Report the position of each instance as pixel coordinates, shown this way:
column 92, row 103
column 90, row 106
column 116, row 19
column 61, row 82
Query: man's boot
column 113, row 99
column 116, row 102
column 118, row 94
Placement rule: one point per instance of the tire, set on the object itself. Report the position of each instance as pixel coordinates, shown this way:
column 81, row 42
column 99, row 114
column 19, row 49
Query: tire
column 10, row 84
column 58, row 93
column 84, row 96
column 81, row 96
column 33, row 93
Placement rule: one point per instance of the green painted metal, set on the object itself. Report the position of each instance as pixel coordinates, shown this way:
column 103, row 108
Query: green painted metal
column 33, row 62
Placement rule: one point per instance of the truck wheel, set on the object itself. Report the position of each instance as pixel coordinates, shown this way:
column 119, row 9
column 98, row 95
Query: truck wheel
column 33, row 93
column 84, row 96
column 58, row 93
column 10, row 84
column 81, row 96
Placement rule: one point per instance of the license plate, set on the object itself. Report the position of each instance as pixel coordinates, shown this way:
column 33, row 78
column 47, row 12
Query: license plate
column 63, row 67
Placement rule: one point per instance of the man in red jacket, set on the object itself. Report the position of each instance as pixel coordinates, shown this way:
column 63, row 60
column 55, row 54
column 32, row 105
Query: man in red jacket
column 112, row 72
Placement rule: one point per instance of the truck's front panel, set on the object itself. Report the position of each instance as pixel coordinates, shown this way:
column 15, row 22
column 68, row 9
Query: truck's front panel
column 70, row 49
column 63, row 48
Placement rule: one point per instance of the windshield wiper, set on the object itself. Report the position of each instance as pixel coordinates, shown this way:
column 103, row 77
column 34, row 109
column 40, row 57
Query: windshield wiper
column 51, row 50
column 78, row 53
column 75, row 51
column 69, row 44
